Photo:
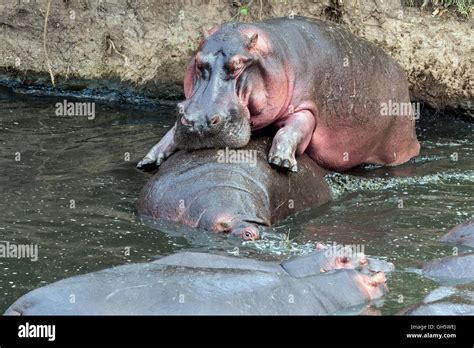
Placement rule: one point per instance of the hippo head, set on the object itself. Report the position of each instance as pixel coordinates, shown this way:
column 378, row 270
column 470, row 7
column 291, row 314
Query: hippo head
column 228, row 223
column 217, row 87
column 226, row 210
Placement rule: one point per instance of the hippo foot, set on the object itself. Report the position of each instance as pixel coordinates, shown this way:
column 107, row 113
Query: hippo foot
column 283, row 162
column 282, row 155
column 148, row 164
column 158, row 153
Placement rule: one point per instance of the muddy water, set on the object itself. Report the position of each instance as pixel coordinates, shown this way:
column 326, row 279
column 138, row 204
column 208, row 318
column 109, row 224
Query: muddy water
column 68, row 185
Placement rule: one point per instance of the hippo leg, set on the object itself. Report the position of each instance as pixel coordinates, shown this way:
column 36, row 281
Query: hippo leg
column 158, row 153
column 293, row 137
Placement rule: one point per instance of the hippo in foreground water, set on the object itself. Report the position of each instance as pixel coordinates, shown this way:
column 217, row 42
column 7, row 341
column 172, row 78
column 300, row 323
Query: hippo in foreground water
column 454, row 269
column 233, row 191
column 462, row 234
column 456, row 272
column 445, row 300
column 331, row 94
column 198, row 283
column 451, row 270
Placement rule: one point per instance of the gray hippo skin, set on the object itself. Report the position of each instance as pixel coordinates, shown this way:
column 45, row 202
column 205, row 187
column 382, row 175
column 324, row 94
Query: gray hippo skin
column 454, row 269
column 451, row 269
column 453, row 299
column 204, row 189
column 328, row 92
column 458, row 300
column 190, row 283
column 462, row 234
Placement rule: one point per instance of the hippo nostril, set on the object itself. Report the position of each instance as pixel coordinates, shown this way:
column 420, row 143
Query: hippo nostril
column 185, row 121
column 363, row 262
column 222, row 227
column 214, row 120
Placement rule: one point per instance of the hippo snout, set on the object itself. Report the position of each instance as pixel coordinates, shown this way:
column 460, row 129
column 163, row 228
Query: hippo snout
column 214, row 120
column 198, row 119
column 236, row 227
column 375, row 285
column 200, row 125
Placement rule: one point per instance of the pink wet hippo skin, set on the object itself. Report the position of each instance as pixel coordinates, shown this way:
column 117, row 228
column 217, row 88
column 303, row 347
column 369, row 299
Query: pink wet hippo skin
column 328, row 93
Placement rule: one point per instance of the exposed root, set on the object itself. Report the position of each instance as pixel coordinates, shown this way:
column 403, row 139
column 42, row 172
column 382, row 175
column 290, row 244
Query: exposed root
column 45, row 48
column 112, row 46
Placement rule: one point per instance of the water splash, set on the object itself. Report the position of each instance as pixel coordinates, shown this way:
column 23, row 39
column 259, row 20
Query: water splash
column 279, row 244
column 427, row 158
column 343, row 183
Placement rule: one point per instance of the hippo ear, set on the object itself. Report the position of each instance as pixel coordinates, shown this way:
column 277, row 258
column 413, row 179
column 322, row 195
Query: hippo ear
column 253, row 39
column 189, row 77
column 257, row 42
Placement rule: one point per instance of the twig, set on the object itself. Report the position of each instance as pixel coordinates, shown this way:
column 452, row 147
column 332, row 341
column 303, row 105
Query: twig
column 112, row 45
column 260, row 11
column 48, row 62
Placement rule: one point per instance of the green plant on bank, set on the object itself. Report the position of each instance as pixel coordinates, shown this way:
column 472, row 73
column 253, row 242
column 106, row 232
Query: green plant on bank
column 243, row 10
column 462, row 7
column 288, row 241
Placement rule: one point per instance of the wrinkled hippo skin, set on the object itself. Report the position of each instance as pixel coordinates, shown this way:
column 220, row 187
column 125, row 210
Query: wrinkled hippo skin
column 347, row 105
column 454, row 269
column 204, row 189
column 462, row 234
column 458, row 300
column 198, row 283
column 450, row 299
column 451, row 269
column 335, row 257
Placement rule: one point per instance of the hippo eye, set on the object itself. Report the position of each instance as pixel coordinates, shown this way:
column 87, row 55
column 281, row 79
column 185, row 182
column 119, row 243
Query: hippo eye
column 236, row 65
column 202, row 69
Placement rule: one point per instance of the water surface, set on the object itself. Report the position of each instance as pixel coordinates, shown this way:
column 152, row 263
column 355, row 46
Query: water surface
column 73, row 193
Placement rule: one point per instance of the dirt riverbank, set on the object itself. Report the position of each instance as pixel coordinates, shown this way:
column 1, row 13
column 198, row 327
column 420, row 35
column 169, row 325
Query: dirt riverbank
column 131, row 46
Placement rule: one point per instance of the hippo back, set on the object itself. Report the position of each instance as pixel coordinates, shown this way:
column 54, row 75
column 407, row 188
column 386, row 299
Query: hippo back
column 240, row 180
column 214, row 284
column 462, row 234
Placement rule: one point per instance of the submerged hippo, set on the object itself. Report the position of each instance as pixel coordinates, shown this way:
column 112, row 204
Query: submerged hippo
column 198, row 283
column 462, row 234
column 329, row 93
column 451, row 269
column 458, row 268
column 445, row 300
column 232, row 191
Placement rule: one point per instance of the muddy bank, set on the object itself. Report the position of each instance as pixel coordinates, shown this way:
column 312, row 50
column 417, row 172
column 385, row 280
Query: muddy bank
column 129, row 46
